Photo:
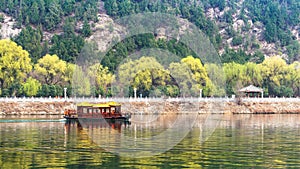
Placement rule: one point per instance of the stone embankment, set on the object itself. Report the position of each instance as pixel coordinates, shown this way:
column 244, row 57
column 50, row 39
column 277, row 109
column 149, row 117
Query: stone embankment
column 279, row 106
column 34, row 108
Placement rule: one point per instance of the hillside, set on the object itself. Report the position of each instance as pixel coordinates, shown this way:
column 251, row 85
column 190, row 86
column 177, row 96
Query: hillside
column 48, row 38
column 253, row 29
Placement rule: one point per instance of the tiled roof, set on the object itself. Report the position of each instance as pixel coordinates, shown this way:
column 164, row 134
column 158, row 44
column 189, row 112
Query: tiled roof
column 251, row 88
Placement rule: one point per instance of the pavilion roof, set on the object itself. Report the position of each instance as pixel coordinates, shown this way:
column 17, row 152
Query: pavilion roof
column 251, row 88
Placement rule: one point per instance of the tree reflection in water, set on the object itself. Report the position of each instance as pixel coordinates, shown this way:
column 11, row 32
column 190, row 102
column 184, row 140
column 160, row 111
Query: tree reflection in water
column 239, row 141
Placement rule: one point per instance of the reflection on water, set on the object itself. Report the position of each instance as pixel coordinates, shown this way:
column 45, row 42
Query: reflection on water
column 239, row 140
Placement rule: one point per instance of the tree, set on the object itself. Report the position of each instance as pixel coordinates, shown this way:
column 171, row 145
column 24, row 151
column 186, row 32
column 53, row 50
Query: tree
column 199, row 74
column 216, row 74
column 31, row 87
column 68, row 75
column 34, row 13
column 103, row 78
column 155, row 82
column 293, row 51
column 30, row 39
column 50, row 70
column 191, row 76
column 237, row 40
column 81, row 85
column 129, row 70
column 53, row 17
column 68, row 46
column 274, row 69
column 235, row 77
column 86, row 29
column 253, row 74
column 291, row 79
column 15, row 64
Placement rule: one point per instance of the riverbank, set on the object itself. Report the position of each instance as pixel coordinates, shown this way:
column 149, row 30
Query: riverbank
column 148, row 106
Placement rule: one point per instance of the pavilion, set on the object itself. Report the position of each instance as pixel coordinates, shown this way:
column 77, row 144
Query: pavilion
column 252, row 91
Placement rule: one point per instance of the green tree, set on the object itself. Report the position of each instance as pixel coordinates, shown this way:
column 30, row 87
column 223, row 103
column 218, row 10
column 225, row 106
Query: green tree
column 129, row 70
column 50, row 70
column 235, row 77
column 34, row 13
column 103, row 78
column 216, row 74
column 273, row 70
column 31, row 87
column 253, row 74
column 81, row 85
column 191, row 76
column 199, row 74
column 53, row 17
column 86, row 29
column 293, row 51
column 155, row 82
column 15, row 64
column 30, row 39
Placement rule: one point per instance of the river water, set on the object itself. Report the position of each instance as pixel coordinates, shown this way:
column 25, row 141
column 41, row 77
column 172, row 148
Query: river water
column 266, row 141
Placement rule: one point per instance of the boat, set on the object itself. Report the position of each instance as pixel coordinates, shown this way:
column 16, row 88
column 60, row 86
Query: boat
column 110, row 110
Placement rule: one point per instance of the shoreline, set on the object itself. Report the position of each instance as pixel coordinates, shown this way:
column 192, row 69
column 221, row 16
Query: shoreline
column 166, row 106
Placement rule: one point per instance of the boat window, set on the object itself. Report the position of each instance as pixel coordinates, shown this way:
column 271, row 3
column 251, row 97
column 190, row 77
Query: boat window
column 118, row 109
column 97, row 110
column 84, row 110
column 90, row 110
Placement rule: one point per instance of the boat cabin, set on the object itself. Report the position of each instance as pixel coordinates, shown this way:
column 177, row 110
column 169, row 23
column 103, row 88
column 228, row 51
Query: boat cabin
column 99, row 110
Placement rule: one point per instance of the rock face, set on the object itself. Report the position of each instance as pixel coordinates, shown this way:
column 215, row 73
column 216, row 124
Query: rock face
column 57, row 108
column 105, row 32
column 7, row 28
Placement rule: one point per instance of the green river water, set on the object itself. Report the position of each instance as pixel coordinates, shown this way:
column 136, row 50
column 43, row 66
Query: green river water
column 237, row 141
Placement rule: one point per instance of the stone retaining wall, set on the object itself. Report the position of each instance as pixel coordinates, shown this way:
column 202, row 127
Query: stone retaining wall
column 57, row 108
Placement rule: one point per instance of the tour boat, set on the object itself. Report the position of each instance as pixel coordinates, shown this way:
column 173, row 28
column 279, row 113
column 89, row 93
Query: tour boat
column 110, row 110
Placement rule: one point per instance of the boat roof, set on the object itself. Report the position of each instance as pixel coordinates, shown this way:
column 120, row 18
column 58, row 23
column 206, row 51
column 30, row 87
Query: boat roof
column 114, row 104
column 101, row 105
column 85, row 104
column 109, row 104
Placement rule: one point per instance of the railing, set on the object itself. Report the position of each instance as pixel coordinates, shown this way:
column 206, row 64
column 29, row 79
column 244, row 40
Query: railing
column 145, row 99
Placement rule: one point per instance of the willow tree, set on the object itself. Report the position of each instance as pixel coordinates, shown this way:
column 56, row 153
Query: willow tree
column 51, row 70
column 294, row 77
column 274, row 70
column 31, row 87
column 15, row 64
column 217, row 76
column 81, row 85
column 156, row 82
column 128, row 71
column 102, row 77
column 235, row 77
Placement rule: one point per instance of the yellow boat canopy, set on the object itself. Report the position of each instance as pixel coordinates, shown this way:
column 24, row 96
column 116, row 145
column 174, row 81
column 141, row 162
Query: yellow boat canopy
column 114, row 104
column 100, row 105
column 85, row 104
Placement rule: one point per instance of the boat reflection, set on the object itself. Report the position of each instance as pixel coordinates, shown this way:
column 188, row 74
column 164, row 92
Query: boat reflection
column 94, row 124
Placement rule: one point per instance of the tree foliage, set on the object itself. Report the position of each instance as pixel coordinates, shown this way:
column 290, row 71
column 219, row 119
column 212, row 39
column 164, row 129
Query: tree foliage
column 49, row 13
column 30, row 39
column 103, row 79
column 130, row 68
column 31, row 87
column 51, row 70
column 274, row 75
column 15, row 64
